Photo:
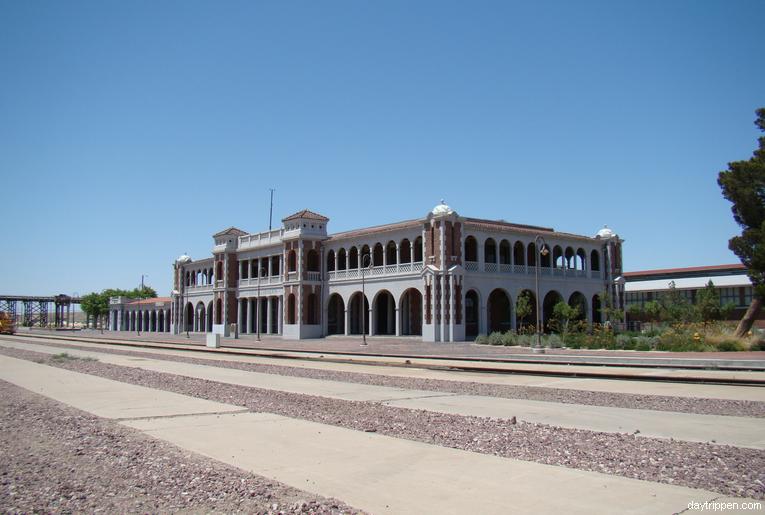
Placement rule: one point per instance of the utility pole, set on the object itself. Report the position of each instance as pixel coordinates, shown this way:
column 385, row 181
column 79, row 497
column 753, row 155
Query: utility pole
column 271, row 210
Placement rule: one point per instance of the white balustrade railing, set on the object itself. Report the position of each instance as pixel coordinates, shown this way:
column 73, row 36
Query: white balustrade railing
column 490, row 267
column 519, row 269
column 390, row 269
column 417, row 267
column 313, row 276
column 471, row 266
column 331, row 275
column 505, row 268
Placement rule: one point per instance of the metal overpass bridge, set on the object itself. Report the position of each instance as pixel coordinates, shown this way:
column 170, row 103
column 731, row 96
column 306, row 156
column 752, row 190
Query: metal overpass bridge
column 35, row 310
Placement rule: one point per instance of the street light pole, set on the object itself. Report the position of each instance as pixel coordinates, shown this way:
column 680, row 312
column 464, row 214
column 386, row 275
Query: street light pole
column 363, row 299
column 540, row 251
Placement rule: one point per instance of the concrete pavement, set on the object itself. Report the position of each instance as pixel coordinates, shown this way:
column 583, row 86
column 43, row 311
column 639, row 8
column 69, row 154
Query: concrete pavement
column 376, row 473
column 739, row 431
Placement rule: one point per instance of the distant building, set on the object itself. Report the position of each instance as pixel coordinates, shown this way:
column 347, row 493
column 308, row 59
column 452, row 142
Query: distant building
column 442, row 277
column 730, row 281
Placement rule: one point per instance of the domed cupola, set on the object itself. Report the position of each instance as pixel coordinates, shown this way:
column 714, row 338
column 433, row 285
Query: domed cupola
column 182, row 260
column 605, row 233
column 442, row 209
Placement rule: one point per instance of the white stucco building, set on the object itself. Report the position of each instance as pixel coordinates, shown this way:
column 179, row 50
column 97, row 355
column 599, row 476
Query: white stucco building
column 444, row 277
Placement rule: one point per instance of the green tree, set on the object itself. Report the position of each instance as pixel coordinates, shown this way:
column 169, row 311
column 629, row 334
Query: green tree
column 95, row 305
column 652, row 310
column 708, row 303
column 562, row 316
column 524, row 306
column 743, row 184
column 675, row 307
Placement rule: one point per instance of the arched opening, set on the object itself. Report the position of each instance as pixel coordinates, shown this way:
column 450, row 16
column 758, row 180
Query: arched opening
column 331, row 261
column 291, row 309
column 597, row 316
column 499, row 311
column 472, row 307
column 582, row 258
column 418, row 250
column 201, row 317
column 595, row 260
column 188, row 279
column 406, row 251
column 312, row 308
column 390, row 253
column 411, row 312
column 245, row 306
column 153, row 321
column 385, row 313
column 188, row 317
column 471, row 249
column 275, row 266
column 161, row 321
column 244, row 267
column 357, row 312
column 579, row 301
column 558, row 256
column 209, row 317
column 490, row 251
column 341, row 260
column 504, row 252
column 354, row 258
column 570, row 258
column 218, row 311
column 377, row 256
column 335, row 315
column 312, row 261
column 518, row 253
column 292, row 261
column 365, row 256
column 548, row 306
column 531, row 254
column 219, row 271
column 526, row 310
column 546, row 256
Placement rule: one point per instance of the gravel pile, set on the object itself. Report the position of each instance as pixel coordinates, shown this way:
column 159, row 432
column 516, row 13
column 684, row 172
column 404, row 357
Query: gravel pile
column 59, row 459
column 725, row 469
column 737, row 408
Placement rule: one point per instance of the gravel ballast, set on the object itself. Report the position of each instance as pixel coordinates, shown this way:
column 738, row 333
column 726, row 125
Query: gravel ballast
column 58, row 459
column 699, row 406
column 720, row 468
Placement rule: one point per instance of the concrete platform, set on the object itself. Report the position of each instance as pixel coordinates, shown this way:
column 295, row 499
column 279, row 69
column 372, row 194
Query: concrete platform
column 372, row 472
column 738, row 431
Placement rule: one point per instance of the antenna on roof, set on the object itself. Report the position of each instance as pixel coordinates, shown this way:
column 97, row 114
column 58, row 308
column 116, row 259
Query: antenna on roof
column 271, row 210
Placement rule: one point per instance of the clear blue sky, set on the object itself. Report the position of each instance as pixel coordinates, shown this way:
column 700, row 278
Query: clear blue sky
column 130, row 132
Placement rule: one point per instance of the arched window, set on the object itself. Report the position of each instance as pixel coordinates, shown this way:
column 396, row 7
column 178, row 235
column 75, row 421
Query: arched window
column 341, row 260
column 219, row 271
column 406, row 251
column 331, row 261
column 504, row 252
column 595, row 261
column 390, row 253
column 312, row 261
column 518, row 253
column 490, row 251
column 292, row 261
column 471, row 249
column 377, row 256
column 418, row 250
column 291, row 309
column 354, row 258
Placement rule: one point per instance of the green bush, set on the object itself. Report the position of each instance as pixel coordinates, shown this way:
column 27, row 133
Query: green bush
column 644, row 343
column 624, row 341
column 482, row 339
column 576, row 340
column 730, row 346
column 758, row 345
column 509, row 338
column 553, row 341
column 495, row 338
column 526, row 340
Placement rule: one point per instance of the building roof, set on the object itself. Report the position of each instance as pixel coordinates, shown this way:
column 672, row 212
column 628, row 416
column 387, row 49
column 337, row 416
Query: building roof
column 153, row 300
column 735, row 268
column 406, row 224
column 308, row 215
column 230, row 230
column 501, row 224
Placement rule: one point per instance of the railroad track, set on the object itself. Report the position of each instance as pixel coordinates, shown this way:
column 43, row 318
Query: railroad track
column 556, row 367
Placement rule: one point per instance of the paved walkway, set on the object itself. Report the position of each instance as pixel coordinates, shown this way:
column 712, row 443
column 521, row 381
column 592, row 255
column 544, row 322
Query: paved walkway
column 372, row 472
column 739, row 431
column 597, row 385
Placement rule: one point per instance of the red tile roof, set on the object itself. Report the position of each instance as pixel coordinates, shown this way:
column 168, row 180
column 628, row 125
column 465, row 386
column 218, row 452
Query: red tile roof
column 307, row 214
column 150, row 301
column 711, row 268
column 230, row 230
column 376, row 229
